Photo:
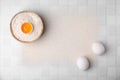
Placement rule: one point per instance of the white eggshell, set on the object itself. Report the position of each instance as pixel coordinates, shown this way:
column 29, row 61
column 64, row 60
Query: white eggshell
column 82, row 63
column 98, row 48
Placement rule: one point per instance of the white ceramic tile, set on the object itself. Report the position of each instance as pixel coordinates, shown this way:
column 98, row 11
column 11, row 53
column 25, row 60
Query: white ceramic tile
column 105, row 67
column 102, row 78
column 111, row 20
column 101, row 20
column 111, row 72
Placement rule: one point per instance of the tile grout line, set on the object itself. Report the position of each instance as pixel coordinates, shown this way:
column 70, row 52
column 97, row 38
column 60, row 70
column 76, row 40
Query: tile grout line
column 106, row 29
column 116, row 36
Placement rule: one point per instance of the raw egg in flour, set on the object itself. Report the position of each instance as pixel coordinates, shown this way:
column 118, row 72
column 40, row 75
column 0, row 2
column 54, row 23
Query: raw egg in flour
column 26, row 26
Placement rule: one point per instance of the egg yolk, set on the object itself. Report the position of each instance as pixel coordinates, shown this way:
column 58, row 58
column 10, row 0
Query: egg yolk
column 26, row 27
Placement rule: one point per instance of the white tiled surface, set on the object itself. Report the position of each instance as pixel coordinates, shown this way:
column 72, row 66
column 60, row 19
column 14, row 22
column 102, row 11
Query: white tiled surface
column 106, row 67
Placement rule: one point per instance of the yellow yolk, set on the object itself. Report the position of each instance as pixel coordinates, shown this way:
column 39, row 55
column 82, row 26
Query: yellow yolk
column 26, row 27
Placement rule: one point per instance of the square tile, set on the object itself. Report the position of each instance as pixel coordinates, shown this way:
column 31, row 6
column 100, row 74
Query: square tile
column 111, row 20
column 111, row 72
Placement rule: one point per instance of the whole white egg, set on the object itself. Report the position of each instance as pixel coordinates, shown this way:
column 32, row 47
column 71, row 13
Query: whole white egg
column 82, row 63
column 98, row 48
